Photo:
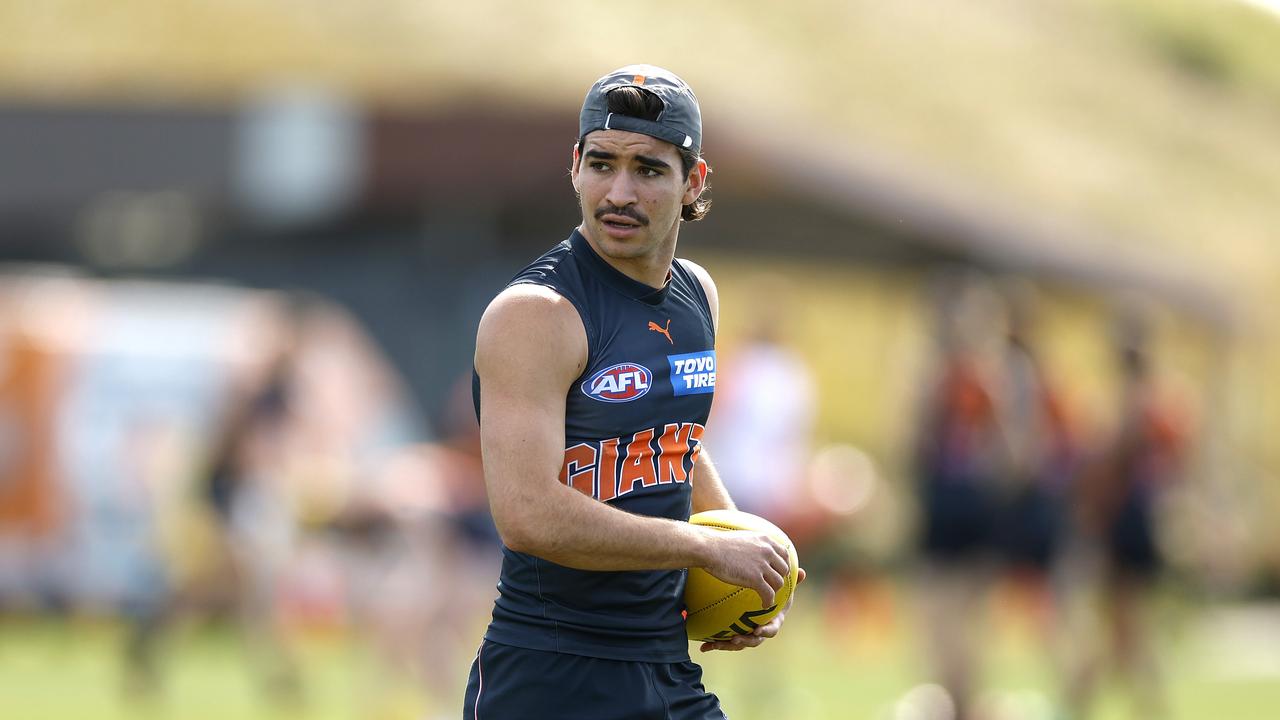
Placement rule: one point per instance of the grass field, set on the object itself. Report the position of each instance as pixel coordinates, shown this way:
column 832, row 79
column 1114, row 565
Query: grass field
column 1221, row 665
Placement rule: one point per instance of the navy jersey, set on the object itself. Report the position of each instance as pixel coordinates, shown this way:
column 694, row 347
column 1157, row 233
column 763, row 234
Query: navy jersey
column 633, row 426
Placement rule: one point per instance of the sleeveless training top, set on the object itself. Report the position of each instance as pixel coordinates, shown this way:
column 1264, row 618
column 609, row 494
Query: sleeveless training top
column 633, row 428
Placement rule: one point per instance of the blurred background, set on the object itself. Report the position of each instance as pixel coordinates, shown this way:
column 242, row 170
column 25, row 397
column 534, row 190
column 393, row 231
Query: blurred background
column 998, row 344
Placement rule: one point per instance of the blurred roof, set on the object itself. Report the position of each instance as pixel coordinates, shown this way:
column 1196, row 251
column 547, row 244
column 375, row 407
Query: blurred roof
column 1149, row 123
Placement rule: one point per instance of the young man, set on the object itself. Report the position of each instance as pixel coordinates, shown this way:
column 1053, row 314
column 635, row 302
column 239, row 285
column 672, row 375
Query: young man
column 595, row 370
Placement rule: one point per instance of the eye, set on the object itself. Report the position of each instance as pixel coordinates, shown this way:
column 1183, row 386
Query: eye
column 598, row 165
column 647, row 171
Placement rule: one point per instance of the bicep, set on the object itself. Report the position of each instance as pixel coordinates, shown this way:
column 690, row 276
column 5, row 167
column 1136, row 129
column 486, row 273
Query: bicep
column 529, row 348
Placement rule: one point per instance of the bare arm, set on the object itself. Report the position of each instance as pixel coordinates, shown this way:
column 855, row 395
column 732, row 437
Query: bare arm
column 709, row 492
column 529, row 349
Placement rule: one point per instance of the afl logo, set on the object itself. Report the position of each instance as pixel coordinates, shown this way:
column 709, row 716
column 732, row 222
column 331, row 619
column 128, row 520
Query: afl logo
column 620, row 383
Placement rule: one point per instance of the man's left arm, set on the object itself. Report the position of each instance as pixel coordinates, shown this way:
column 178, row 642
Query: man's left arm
column 709, row 493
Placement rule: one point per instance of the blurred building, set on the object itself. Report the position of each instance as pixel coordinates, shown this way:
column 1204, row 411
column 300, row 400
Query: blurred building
column 355, row 154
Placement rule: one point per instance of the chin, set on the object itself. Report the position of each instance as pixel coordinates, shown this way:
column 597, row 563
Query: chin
column 621, row 248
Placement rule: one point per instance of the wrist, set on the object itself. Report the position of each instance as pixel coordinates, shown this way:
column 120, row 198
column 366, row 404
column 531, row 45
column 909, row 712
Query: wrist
column 702, row 546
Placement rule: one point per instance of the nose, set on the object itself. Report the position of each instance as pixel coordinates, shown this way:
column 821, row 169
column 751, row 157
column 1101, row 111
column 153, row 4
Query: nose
column 622, row 191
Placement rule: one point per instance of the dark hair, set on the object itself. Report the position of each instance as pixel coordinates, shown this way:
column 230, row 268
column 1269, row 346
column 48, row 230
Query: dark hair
column 638, row 103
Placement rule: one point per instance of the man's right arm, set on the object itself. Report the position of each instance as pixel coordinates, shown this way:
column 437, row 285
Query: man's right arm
column 530, row 348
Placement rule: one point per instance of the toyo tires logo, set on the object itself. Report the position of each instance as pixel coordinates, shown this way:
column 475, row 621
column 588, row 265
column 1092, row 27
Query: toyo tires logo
column 623, row 382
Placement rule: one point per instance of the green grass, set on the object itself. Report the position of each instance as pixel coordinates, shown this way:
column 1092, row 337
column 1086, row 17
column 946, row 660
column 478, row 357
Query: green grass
column 69, row 670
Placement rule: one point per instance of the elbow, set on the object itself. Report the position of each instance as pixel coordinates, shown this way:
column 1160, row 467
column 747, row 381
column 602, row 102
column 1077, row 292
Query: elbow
column 517, row 532
column 517, row 541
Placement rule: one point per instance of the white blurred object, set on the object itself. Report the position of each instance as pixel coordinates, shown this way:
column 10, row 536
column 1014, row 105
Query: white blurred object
column 1015, row 705
column 1271, row 6
column 299, row 156
column 843, row 479
column 925, row 702
column 760, row 435
column 1241, row 642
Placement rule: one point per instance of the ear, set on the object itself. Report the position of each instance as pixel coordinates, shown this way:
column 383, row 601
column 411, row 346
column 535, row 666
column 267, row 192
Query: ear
column 696, row 182
column 573, row 170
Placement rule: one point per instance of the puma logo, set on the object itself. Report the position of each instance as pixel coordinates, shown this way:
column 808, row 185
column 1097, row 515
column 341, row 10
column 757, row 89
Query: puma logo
column 664, row 330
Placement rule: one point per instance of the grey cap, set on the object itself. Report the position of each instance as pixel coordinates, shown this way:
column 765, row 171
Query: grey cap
column 680, row 122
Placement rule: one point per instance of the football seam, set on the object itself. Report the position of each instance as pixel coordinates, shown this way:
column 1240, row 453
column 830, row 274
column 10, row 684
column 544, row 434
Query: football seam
column 723, row 599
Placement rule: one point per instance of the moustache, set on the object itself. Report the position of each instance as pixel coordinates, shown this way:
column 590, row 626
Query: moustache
column 625, row 211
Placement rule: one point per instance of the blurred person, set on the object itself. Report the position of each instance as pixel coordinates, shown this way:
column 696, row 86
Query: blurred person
column 34, row 508
column 132, row 391
column 764, row 418
column 960, row 455
column 245, row 491
column 1115, row 515
column 1043, row 456
column 594, row 377
column 401, row 566
column 421, row 558
column 761, row 427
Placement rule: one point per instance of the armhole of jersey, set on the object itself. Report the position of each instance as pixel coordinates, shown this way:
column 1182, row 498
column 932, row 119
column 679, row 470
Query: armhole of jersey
column 583, row 315
column 696, row 282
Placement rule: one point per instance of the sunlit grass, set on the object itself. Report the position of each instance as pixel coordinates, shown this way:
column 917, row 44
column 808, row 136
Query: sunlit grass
column 71, row 670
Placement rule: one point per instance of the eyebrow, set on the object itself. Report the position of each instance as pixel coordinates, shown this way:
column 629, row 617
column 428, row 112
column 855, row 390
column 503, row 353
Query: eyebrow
column 642, row 159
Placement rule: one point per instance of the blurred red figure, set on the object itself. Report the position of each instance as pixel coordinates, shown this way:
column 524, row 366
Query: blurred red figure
column 1116, row 507
column 1044, row 455
column 962, row 454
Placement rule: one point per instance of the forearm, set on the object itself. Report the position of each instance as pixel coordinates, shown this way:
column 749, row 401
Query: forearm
column 571, row 529
column 709, row 492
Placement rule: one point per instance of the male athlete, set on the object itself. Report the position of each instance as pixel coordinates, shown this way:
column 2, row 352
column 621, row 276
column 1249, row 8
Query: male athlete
column 595, row 369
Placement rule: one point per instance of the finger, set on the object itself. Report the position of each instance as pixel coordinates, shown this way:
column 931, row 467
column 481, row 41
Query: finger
column 769, row 629
column 780, row 566
column 708, row 647
column 739, row 642
column 779, row 561
column 765, row 591
column 775, row 580
column 800, row 576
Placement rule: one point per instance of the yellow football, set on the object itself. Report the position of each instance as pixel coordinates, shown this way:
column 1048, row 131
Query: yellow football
column 718, row 610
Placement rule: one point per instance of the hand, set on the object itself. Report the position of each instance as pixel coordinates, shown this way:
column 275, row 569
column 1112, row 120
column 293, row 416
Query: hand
column 751, row 560
column 760, row 634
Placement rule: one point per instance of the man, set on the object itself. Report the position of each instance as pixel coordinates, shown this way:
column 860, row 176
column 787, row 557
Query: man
column 595, row 370
column 1116, row 517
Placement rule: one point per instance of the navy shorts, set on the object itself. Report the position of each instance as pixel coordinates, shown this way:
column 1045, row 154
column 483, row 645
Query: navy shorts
column 511, row 683
column 959, row 520
column 1131, row 538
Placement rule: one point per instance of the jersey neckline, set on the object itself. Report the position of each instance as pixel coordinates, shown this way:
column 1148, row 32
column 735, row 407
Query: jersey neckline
column 614, row 277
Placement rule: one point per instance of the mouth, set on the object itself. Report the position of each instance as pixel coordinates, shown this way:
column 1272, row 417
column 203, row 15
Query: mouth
column 620, row 221
column 619, row 226
column 621, row 214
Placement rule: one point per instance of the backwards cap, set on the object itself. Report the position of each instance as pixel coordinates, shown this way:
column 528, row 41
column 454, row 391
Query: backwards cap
column 680, row 122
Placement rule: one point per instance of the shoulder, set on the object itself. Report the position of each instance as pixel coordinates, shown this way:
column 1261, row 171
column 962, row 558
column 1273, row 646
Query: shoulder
column 533, row 330
column 708, row 286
